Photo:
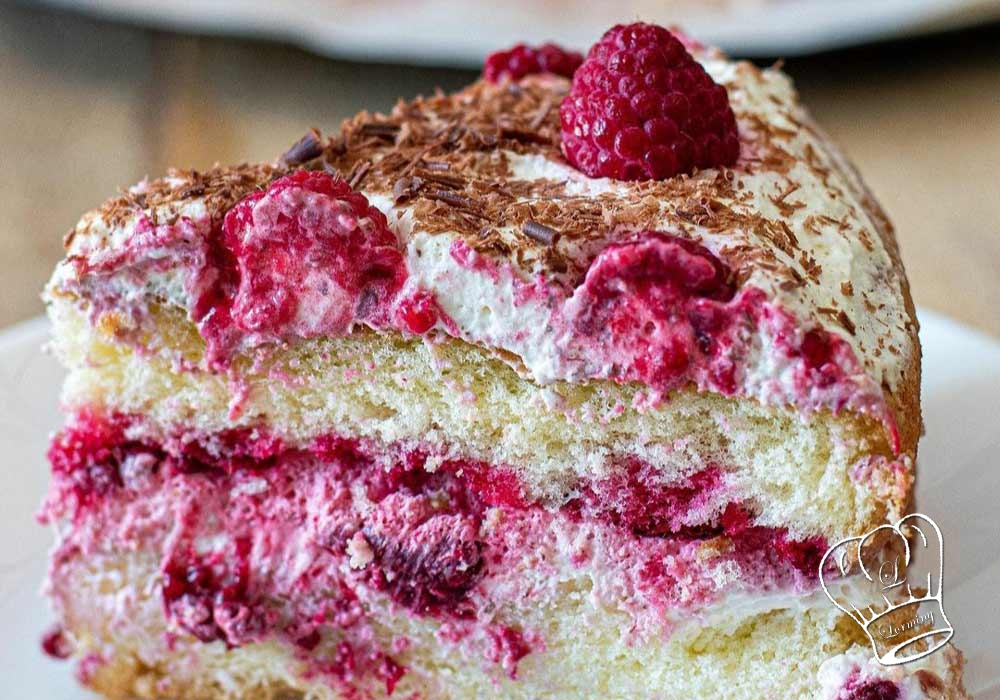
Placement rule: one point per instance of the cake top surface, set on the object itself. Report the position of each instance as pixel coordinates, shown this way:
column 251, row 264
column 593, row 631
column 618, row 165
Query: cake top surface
column 483, row 168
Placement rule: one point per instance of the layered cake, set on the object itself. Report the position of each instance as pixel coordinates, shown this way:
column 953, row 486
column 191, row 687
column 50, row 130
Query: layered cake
column 559, row 386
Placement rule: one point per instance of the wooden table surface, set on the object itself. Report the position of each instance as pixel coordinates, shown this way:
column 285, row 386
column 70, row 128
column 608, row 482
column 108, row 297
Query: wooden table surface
column 88, row 106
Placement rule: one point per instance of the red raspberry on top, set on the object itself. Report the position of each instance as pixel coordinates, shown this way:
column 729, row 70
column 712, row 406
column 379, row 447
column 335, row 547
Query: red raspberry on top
column 522, row 60
column 641, row 108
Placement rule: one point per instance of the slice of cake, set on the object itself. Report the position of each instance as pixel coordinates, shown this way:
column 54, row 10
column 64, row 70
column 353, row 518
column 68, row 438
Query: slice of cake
column 556, row 387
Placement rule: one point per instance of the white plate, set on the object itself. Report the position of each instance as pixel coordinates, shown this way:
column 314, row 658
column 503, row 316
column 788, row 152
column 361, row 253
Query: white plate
column 959, row 487
column 461, row 33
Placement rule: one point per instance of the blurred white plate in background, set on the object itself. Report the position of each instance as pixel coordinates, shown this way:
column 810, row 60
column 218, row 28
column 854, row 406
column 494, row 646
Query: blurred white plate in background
column 460, row 33
column 958, row 486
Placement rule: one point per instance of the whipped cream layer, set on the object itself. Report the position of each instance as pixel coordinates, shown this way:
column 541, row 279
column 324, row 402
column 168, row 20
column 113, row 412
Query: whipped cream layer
column 506, row 246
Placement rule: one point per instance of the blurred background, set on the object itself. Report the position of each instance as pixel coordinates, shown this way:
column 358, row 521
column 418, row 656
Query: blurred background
column 96, row 94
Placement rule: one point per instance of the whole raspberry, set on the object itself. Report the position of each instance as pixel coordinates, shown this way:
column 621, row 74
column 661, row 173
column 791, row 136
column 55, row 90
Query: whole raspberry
column 641, row 108
column 522, row 60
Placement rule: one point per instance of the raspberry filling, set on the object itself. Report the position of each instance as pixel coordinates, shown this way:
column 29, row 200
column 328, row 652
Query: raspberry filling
column 268, row 541
column 660, row 302
column 873, row 689
column 417, row 313
column 56, row 645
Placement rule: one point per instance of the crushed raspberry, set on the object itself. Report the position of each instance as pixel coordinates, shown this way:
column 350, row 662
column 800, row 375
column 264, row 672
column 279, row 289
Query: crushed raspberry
column 735, row 520
column 494, row 486
column 309, row 640
column 804, row 556
column 657, row 299
column 632, row 498
column 390, row 672
column 877, row 689
column 309, row 256
column 344, row 659
column 427, row 559
column 642, row 108
column 55, row 644
column 522, row 60
column 820, row 351
column 508, row 647
column 418, row 313
column 229, row 451
column 86, row 457
column 209, row 597
column 816, row 349
column 310, row 237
